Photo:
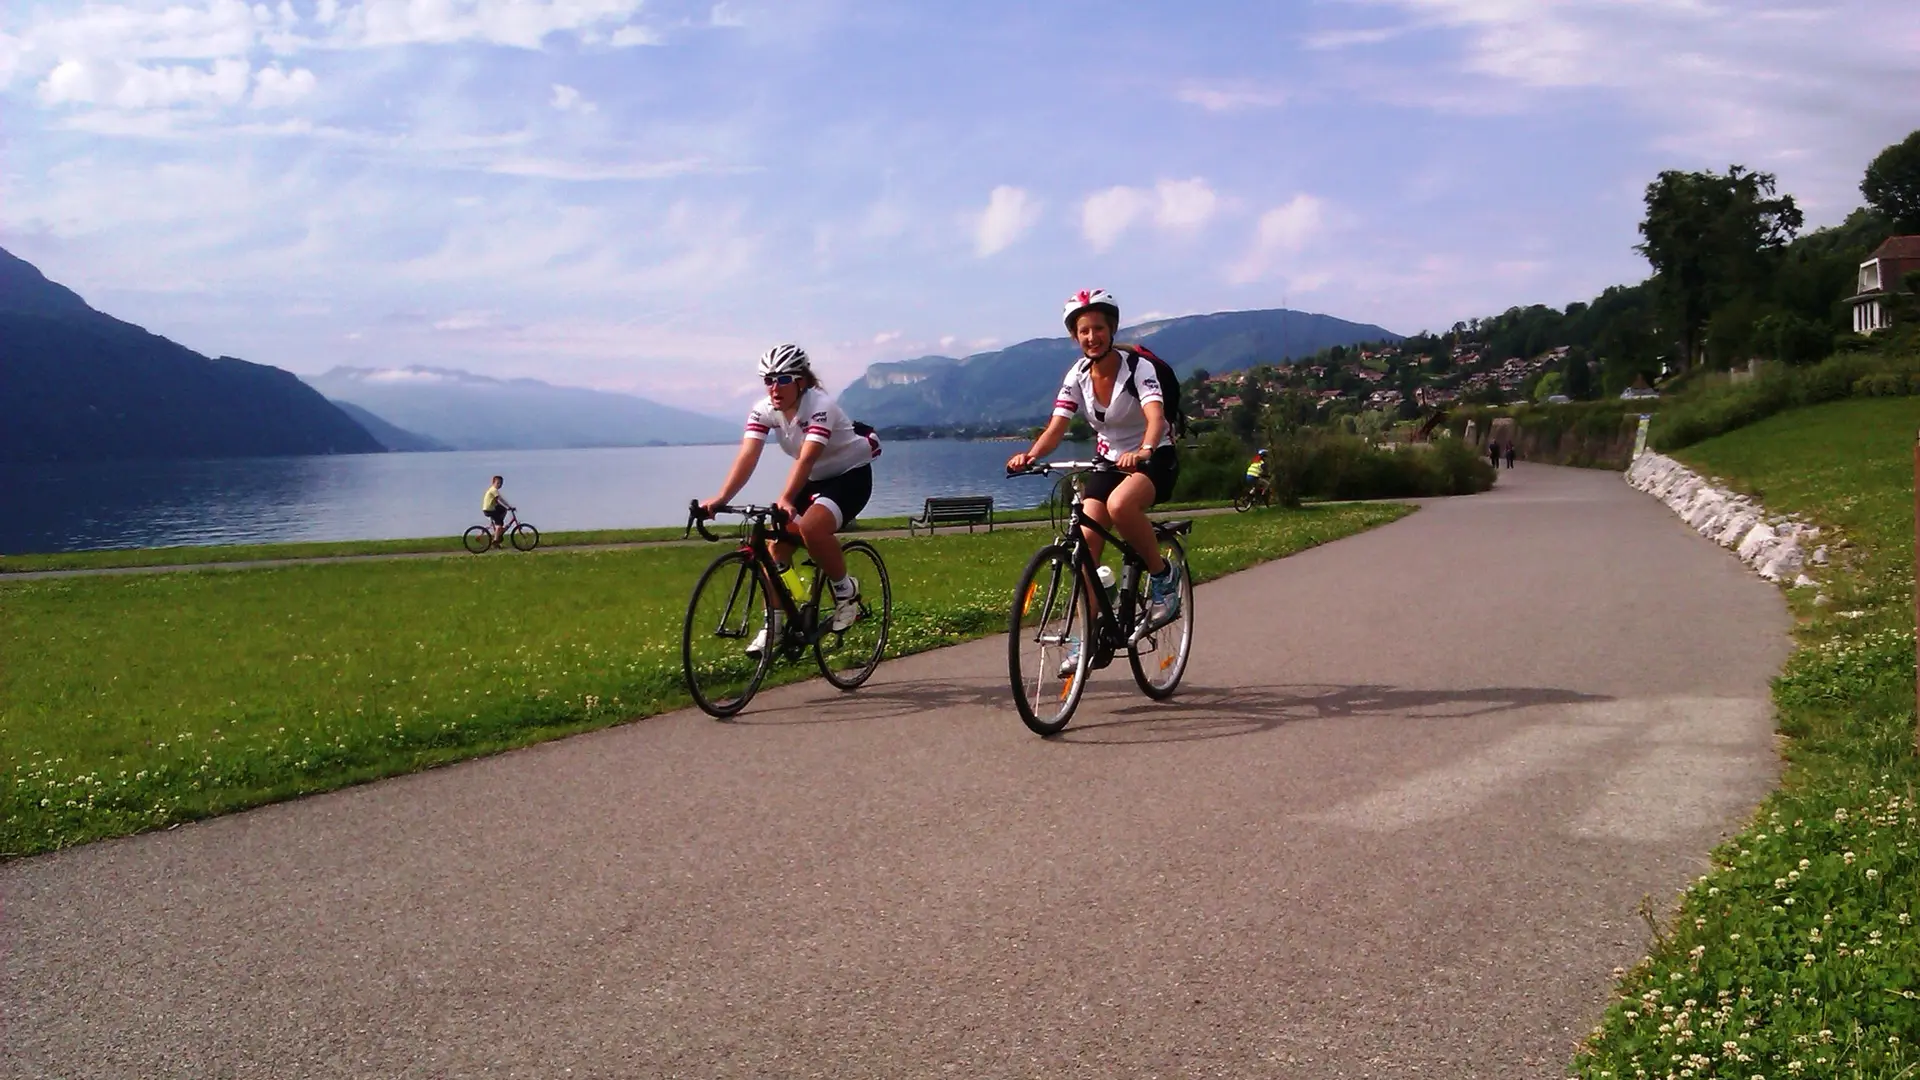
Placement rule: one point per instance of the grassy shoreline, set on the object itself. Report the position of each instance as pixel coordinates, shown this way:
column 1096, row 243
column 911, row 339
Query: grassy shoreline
column 1797, row 954
column 211, row 554
column 133, row 702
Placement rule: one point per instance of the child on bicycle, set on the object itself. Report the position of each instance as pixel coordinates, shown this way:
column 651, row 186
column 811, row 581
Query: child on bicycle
column 1131, row 432
column 1257, row 471
column 495, row 507
column 831, row 479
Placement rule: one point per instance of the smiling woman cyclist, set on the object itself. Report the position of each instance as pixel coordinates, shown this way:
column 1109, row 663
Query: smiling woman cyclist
column 832, row 475
column 1132, row 433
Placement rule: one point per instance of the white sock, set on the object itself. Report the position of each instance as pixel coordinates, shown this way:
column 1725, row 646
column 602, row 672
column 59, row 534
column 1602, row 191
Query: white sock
column 843, row 587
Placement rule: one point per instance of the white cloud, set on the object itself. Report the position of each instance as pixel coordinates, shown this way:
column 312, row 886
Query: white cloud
column 947, row 340
column 1184, row 204
column 1176, row 205
column 551, row 169
column 1283, row 230
column 1107, row 214
column 273, row 88
column 628, row 36
column 567, row 99
column 885, row 336
column 130, row 86
column 723, row 15
column 1231, row 98
column 522, row 23
column 1010, row 213
column 465, row 320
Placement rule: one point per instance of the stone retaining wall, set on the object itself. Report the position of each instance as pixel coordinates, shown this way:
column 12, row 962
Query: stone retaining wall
column 1775, row 546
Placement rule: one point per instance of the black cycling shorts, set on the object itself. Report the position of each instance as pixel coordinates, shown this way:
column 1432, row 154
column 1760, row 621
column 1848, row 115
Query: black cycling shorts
column 498, row 514
column 846, row 494
column 1163, row 468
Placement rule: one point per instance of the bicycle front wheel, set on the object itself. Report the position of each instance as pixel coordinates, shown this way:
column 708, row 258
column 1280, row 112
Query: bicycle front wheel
column 525, row 537
column 728, row 609
column 1049, row 640
column 478, row 539
column 847, row 657
column 1160, row 658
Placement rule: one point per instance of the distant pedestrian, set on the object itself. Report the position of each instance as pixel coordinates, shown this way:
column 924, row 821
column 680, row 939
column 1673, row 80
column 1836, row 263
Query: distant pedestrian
column 1493, row 453
column 1509, row 455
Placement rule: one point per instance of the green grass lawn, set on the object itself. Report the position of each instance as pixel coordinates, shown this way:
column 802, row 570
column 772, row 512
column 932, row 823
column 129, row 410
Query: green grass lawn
column 1797, row 955
column 229, row 553
column 131, row 702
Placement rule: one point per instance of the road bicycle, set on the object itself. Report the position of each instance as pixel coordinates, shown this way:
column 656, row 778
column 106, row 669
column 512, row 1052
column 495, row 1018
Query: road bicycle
column 742, row 595
column 1064, row 625
column 1258, row 493
column 479, row 538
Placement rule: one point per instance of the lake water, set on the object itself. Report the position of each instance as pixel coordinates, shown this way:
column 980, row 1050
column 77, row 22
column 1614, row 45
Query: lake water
column 75, row 507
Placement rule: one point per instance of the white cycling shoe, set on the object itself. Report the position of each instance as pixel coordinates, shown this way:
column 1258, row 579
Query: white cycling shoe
column 846, row 609
column 759, row 644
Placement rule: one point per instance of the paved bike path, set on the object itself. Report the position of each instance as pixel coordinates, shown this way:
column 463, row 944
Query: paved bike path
column 1396, row 823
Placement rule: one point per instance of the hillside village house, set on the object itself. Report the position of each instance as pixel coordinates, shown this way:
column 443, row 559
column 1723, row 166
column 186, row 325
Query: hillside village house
column 1880, row 277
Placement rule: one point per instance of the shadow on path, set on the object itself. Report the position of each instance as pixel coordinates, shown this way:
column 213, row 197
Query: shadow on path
column 1115, row 713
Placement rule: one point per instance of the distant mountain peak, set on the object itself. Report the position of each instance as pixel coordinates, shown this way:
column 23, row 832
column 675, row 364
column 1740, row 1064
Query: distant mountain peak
column 24, row 289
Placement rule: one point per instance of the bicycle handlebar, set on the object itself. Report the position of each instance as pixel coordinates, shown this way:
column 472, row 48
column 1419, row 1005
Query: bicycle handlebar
column 1045, row 468
column 697, row 516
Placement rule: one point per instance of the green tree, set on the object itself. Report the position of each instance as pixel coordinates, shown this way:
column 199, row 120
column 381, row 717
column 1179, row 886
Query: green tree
column 1892, row 184
column 1550, row 384
column 1577, row 377
column 1709, row 239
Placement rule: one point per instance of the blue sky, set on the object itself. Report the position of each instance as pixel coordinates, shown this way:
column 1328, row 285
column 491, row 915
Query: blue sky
column 643, row 196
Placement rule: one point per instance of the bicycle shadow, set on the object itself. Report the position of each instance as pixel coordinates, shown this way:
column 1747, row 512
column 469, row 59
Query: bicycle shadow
column 1203, row 712
column 1118, row 715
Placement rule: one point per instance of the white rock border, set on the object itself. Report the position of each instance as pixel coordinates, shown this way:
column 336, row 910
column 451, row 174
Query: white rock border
column 1772, row 545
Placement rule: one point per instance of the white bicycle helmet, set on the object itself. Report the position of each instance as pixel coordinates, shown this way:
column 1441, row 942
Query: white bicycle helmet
column 785, row 360
column 1092, row 298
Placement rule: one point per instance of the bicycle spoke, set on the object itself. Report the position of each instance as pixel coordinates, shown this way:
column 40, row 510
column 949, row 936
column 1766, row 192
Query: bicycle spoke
column 847, row 657
column 1159, row 658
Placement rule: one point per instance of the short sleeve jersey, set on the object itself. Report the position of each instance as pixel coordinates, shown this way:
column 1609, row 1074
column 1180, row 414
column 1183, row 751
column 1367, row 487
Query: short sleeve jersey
column 1122, row 423
column 490, row 499
column 818, row 419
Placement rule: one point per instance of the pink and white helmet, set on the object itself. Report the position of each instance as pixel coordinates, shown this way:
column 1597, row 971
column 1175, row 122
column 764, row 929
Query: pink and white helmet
column 1092, row 298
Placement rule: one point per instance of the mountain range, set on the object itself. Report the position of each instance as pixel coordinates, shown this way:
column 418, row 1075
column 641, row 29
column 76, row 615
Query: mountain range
column 1016, row 385
column 80, row 385
column 464, row 411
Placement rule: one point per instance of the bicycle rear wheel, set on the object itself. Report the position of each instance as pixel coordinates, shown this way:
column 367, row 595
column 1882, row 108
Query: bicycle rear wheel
column 1049, row 640
column 847, row 657
column 1243, row 502
column 525, row 537
column 478, row 539
column 729, row 607
column 1160, row 658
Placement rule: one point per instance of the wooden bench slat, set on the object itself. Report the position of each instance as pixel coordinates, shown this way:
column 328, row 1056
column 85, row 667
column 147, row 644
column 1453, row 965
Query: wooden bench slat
column 970, row 510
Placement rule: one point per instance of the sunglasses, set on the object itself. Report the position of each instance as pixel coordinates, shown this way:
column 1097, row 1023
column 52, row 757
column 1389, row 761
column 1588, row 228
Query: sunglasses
column 779, row 380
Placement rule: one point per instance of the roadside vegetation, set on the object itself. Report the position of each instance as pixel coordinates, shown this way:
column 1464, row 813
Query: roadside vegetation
column 1797, row 954
column 135, row 702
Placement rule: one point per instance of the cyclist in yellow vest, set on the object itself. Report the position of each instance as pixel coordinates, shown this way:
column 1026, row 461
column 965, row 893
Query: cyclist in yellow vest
column 1257, row 471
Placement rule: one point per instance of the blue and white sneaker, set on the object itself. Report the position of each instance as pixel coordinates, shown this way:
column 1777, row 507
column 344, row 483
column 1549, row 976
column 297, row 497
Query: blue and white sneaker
column 1072, row 662
column 1163, row 592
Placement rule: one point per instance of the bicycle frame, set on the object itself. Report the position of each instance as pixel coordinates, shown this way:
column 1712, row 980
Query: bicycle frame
column 1117, row 628
column 755, row 544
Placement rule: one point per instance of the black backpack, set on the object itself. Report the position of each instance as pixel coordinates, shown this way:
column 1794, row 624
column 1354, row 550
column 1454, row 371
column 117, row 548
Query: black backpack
column 1169, row 384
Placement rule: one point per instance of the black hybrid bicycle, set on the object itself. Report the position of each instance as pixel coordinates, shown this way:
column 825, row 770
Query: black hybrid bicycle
column 479, row 538
column 1064, row 624
column 742, row 616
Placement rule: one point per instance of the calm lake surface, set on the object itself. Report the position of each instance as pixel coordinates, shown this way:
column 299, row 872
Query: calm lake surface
column 394, row 496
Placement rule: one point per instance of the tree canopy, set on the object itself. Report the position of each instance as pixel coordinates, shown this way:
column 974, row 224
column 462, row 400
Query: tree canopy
column 1892, row 184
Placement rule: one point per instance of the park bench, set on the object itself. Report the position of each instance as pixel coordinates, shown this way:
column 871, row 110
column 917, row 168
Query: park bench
column 968, row 510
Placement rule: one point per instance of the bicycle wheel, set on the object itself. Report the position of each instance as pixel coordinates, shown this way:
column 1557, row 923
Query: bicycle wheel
column 525, row 537
column 1160, row 658
column 1049, row 640
column 847, row 657
column 1243, row 502
column 729, row 607
column 478, row 539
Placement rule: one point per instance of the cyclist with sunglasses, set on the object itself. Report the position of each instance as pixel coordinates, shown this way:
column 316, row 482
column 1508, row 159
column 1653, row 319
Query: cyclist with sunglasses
column 832, row 475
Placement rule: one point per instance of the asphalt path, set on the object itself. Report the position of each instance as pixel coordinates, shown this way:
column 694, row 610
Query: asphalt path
column 1397, row 822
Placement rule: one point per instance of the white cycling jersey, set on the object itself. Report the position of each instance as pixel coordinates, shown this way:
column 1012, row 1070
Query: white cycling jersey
column 1118, row 426
column 818, row 419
